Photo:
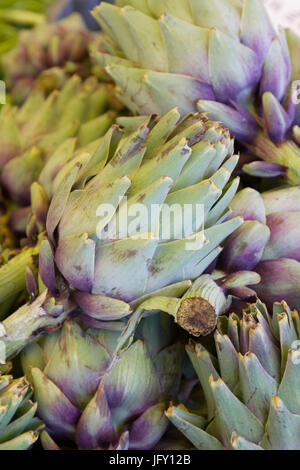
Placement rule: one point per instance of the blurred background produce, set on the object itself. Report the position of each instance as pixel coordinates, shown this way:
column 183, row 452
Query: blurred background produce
column 63, row 8
column 16, row 15
column 286, row 13
column 46, row 56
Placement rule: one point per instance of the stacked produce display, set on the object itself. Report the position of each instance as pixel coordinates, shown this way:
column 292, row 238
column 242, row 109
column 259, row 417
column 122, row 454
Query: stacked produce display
column 149, row 226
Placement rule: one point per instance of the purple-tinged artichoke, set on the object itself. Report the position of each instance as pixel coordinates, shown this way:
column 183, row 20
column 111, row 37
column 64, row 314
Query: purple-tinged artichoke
column 90, row 398
column 153, row 166
column 250, row 384
column 57, row 49
column 159, row 164
column 268, row 242
column 219, row 56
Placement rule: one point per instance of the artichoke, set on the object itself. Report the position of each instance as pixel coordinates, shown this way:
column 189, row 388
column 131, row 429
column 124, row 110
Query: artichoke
column 31, row 134
column 19, row 429
column 61, row 47
column 91, row 398
column 251, row 389
column 267, row 242
column 217, row 56
column 138, row 175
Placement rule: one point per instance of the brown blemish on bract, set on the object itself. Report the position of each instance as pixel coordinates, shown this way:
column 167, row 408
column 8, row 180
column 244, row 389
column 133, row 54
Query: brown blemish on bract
column 167, row 151
column 196, row 138
column 120, row 256
column 116, row 294
column 131, row 253
column 197, row 316
column 121, row 158
column 154, row 269
column 141, row 198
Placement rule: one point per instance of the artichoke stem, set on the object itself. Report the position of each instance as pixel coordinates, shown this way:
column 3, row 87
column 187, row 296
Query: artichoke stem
column 194, row 314
column 197, row 316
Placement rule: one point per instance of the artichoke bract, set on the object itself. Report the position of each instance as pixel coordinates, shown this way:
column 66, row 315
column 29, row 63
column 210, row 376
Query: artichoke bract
column 139, row 175
column 57, row 49
column 267, row 242
column 91, row 398
column 251, row 388
column 19, row 428
column 31, row 134
column 223, row 57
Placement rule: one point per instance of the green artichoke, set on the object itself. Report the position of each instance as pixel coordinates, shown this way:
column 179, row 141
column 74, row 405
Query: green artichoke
column 91, row 398
column 19, row 429
column 31, row 134
column 152, row 165
column 251, row 389
column 223, row 57
column 49, row 54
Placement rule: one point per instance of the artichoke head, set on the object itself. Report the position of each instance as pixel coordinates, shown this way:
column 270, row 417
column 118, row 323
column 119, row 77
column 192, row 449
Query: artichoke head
column 267, row 242
column 94, row 399
column 138, row 174
column 250, row 383
column 31, row 134
column 222, row 57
